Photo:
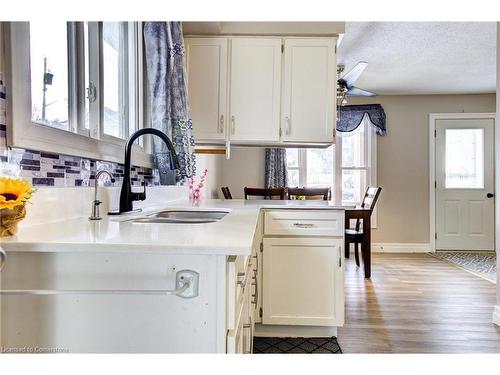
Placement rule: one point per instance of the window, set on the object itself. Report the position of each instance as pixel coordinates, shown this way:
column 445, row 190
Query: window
column 347, row 172
column 49, row 74
column 357, row 162
column 85, row 92
column 311, row 167
column 464, row 158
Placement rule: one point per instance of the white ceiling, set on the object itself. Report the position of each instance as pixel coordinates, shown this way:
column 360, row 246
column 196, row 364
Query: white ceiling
column 422, row 57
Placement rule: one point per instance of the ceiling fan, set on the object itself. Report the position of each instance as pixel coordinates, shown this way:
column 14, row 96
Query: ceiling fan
column 346, row 86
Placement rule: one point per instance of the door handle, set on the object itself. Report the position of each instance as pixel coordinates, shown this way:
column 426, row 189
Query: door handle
column 490, row 195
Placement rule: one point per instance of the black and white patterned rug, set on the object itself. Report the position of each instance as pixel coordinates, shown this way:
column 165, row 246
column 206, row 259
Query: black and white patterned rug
column 483, row 264
column 296, row 345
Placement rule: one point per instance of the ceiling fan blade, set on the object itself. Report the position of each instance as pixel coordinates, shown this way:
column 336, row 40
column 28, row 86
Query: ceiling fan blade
column 352, row 75
column 356, row 91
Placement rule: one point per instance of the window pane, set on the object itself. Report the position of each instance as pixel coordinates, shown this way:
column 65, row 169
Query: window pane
column 353, row 147
column 293, row 177
column 353, row 185
column 292, row 157
column 115, row 80
column 320, row 167
column 464, row 158
column 49, row 73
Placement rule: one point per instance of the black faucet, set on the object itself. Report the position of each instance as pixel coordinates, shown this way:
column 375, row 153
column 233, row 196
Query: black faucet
column 126, row 194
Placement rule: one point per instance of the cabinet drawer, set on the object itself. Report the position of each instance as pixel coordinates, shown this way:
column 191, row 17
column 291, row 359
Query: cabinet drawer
column 304, row 223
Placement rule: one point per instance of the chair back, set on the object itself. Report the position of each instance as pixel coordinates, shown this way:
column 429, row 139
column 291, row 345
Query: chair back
column 226, row 192
column 369, row 201
column 310, row 193
column 371, row 197
column 270, row 193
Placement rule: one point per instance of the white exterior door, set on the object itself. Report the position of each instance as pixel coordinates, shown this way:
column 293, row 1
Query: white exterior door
column 309, row 90
column 303, row 281
column 465, row 202
column 207, row 81
column 255, row 89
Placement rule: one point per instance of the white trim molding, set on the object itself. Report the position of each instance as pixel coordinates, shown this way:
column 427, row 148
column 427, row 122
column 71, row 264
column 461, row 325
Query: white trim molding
column 401, row 248
column 496, row 315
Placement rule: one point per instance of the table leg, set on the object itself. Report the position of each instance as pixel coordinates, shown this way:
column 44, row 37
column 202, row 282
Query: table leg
column 367, row 247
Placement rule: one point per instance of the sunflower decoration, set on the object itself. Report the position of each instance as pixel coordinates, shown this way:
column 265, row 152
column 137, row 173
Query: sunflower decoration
column 14, row 193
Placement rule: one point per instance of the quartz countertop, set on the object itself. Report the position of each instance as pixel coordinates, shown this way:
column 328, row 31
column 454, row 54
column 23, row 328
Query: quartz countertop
column 232, row 235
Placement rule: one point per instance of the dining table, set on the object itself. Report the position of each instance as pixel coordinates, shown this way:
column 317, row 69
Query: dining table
column 364, row 214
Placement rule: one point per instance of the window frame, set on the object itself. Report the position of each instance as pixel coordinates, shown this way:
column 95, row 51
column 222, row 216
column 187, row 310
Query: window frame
column 370, row 164
column 370, row 142
column 301, row 166
column 24, row 133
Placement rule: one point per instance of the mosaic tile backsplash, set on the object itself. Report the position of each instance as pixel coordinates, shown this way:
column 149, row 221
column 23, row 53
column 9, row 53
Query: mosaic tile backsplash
column 49, row 169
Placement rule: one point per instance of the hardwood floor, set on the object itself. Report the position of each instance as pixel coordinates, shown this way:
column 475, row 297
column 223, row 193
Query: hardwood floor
column 415, row 303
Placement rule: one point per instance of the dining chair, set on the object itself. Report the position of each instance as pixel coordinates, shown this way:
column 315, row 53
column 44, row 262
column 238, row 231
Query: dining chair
column 226, row 192
column 269, row 193
column 357, row 235
column 310, row 193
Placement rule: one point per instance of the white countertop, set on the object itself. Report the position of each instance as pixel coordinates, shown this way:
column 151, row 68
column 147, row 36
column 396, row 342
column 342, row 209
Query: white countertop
column 232, row 235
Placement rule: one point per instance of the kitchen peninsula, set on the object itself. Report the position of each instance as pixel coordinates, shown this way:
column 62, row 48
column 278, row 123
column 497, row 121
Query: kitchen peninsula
column 113, row 285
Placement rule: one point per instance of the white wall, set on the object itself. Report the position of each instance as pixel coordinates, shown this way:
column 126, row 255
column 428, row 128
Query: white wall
column 245, row 168
column 214, row 177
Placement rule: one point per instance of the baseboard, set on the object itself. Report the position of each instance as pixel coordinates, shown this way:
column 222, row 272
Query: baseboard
column 496, row 315
column 266, row 330
column 401, row 247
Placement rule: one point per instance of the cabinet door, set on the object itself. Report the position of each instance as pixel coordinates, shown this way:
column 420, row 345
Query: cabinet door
column 309, row 90
column 207, row 86
column 303, row 281
column 255, row 89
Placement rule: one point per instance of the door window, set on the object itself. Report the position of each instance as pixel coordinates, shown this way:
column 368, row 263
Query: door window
column 464, row 159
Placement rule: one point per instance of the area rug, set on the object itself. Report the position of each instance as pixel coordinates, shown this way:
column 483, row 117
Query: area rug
column 483, row 264
column 296, row 345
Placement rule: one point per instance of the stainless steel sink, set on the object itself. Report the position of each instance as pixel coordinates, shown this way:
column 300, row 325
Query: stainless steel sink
column 183, row 217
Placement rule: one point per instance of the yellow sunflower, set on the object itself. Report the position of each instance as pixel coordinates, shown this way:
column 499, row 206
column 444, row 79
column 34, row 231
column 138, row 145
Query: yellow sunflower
column 14, row 192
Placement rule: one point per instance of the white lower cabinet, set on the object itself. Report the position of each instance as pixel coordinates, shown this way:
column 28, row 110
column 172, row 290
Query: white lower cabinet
column 303, row 281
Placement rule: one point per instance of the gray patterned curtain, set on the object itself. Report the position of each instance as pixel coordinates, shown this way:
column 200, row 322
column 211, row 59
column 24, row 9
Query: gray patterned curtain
column 275, row 168
column 351, row 116
column 168, row 99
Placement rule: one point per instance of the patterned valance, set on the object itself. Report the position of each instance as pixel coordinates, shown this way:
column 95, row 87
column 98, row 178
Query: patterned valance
column 351, row 116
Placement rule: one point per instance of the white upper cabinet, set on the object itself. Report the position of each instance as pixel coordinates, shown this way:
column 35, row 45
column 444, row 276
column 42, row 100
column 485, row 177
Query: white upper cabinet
column 207, row 81
column 247, row 91
column 309, row 90
column 254, row 98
